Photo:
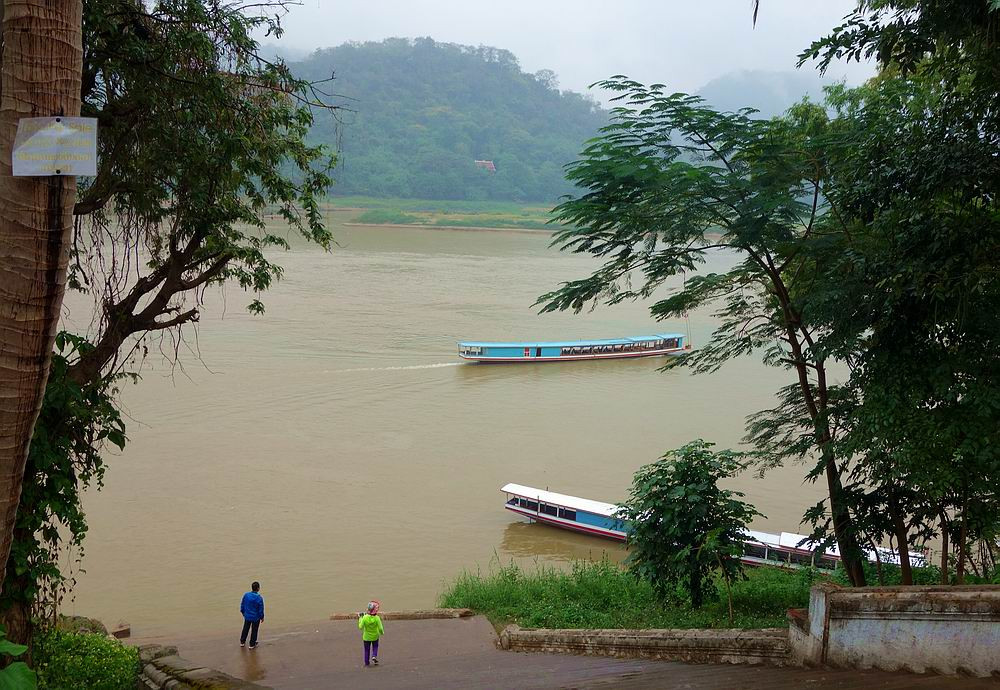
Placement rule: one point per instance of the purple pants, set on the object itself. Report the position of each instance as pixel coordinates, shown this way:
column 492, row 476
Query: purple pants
column 370, row 647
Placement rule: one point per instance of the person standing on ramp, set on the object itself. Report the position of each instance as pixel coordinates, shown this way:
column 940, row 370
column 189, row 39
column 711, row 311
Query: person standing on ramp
column 252, row 608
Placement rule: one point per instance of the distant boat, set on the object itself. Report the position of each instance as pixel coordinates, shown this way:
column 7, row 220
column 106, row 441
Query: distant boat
column 619, row 348
column 598, row 519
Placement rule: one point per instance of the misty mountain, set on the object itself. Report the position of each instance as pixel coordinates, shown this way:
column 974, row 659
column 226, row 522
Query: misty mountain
column 418, row 114
column 772, row 93
column 421, row 113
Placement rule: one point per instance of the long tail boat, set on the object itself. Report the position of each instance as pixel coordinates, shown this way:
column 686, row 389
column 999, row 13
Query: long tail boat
column 570, row 350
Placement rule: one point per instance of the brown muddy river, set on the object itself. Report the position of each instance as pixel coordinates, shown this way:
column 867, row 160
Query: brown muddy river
column 336, row 449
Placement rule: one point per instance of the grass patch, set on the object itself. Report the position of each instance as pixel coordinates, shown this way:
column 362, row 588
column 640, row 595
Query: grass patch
column 481, row 214
column 438, row 205
column 604, row 595
column 494, row 222
column 384, row 216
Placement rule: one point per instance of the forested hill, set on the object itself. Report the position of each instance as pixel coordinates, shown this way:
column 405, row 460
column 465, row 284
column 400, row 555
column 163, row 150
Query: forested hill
column 426, row 111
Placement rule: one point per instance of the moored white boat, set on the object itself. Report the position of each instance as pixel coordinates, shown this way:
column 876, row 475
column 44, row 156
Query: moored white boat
column 785, row 549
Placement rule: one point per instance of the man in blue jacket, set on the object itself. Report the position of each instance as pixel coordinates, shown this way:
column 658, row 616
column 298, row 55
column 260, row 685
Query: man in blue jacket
column 252, row 608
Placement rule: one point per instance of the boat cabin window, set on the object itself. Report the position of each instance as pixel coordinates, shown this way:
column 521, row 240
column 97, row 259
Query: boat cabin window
column 800, row 558
column 472, row 351
column 512, row 502
column 525, row 503
column 547, row 509
column 754, row 550
column 567, row 514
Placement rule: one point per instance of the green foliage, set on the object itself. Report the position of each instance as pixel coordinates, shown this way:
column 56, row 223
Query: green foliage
column 381, row 216
column 15, row 675
column 84, row 661
column 684, row 529
column 424, row 112
column 75, row 425
column 603, row 595
column 670, row 181
column 916, row 182
column 953, row 38
column 200, row 137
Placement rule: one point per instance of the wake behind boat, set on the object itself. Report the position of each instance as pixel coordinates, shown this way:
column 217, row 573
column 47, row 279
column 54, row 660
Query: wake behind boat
column 559, row 351
column 785, row 550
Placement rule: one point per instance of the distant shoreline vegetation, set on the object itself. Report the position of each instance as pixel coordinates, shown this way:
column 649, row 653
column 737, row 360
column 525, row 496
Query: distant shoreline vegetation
column 446, row 214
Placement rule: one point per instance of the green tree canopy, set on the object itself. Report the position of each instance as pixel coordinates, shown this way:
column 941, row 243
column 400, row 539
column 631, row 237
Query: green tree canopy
column 671, row 180
column 683, row 528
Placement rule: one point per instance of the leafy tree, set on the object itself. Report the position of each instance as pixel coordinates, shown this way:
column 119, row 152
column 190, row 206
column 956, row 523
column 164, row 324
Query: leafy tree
column 201, row 139
column 918, row 197
column 671, row 180
column 683, row 528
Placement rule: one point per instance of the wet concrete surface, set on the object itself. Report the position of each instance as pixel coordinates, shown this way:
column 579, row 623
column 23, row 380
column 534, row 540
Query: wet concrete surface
column 461, row 653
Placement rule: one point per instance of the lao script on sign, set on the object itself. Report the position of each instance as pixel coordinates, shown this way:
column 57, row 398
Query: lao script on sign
column 55, row 146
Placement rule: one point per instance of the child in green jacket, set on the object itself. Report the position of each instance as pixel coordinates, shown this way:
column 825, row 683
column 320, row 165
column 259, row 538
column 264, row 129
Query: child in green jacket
column 371, row 629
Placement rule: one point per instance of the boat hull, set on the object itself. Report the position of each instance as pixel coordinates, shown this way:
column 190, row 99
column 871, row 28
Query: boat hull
column 571, row 358
column 567, row 524
column 621, row 537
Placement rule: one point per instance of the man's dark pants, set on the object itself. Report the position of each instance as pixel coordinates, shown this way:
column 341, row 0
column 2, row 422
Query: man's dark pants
column 251, row 627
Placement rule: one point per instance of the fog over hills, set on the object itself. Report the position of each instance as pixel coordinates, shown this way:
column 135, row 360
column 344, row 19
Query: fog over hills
column 420, row 113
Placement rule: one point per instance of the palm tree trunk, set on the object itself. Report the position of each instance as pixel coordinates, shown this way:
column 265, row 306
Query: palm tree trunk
column 40, row 76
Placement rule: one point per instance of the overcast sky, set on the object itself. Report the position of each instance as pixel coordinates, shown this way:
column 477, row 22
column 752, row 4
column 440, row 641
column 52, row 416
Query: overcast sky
column 681, row 43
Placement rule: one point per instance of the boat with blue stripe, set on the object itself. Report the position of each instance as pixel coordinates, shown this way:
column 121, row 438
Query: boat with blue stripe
column 785, row 550
column 561, row 351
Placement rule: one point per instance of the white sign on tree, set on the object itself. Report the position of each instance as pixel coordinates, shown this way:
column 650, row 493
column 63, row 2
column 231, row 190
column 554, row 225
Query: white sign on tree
column 55, row 146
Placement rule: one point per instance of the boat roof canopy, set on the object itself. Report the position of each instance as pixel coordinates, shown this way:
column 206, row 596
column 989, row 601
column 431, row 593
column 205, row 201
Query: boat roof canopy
column 576, row 343
column 788, row 540
column 584, row 504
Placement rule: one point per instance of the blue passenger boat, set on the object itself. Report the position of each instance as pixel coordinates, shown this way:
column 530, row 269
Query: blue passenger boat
column 618, row 348
column 786, row 550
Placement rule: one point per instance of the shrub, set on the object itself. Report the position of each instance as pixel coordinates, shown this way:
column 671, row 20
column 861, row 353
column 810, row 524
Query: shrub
column 84, row 661
column 684, row 529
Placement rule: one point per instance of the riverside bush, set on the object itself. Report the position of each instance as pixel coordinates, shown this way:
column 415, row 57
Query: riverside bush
column 604, row 595
column 84, row 661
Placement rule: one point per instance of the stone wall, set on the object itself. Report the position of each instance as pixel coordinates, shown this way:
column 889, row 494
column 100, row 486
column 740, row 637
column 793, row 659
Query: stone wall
column 951, row 630
column 768, row 646
column 162, row 669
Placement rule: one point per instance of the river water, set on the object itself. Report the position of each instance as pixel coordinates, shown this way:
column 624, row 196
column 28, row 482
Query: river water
column 336, row 449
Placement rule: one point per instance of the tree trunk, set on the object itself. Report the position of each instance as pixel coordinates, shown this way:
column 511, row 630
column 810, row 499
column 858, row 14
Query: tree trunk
column 902, row 546
column 41, row 69
column 17, row 623
column 878, row 563
column 695, row 580
column 843, row 525
column 944, row 549
column 963, row 532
